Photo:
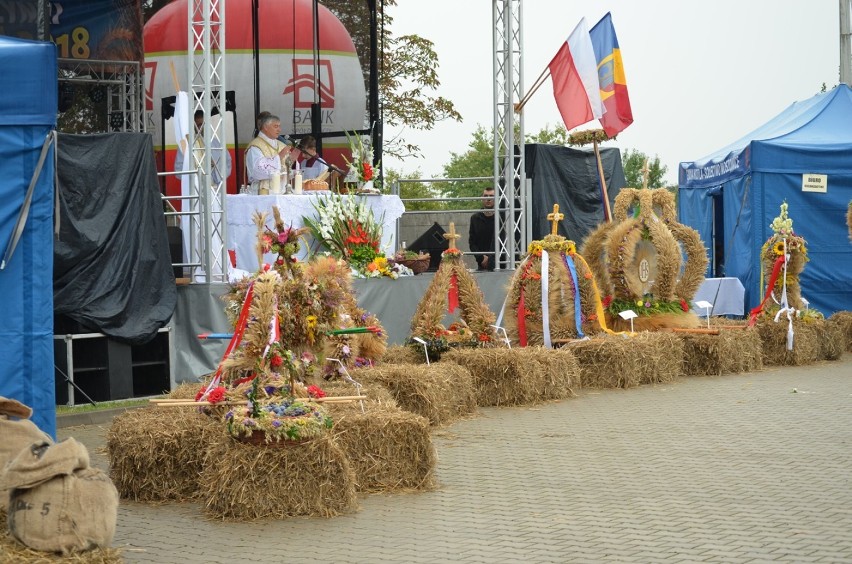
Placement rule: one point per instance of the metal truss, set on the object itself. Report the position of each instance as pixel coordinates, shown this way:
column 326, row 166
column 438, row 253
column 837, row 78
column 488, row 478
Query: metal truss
column 509, row 175
column 124, row 87
column 206, row 77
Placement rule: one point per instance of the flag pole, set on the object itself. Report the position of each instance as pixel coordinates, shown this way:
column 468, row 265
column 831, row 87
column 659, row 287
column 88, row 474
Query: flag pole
column 607, row 210
column 536, row 85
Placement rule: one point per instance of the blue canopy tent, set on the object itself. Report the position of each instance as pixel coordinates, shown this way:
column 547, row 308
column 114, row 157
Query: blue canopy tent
column 27, row 119
column 732, row 196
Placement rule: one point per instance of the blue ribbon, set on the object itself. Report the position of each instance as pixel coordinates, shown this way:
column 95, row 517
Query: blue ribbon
column 578, row 313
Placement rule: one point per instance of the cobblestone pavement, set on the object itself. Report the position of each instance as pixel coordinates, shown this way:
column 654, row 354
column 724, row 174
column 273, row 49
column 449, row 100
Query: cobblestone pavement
column 736, row 468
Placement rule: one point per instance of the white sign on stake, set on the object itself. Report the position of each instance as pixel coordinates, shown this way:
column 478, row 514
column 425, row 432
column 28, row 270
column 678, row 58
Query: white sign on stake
column 425, row 349
column 628, row 314
column 707, row 306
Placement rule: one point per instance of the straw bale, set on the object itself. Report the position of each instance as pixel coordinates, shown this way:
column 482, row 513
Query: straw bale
column 844, row 319
column 13, row 552
column 442, row 392
column 831, row 338
column 731, row 351
column 806, row 342
column 399, row 354
column 609, row 361
column 156, row 453
column 186, row 390
column 661, row 356
column 246, row 482
column 519, row 376
column 389, row 449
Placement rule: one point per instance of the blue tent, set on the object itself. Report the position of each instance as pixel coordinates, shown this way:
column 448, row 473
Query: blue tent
column 27, row 117
column 803, row 156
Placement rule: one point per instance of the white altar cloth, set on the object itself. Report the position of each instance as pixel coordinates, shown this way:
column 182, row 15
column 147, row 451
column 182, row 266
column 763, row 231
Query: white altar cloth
column 726, row 295
column 242, row 232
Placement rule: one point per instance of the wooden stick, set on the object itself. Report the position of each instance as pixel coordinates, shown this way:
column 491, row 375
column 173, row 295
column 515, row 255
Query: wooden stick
column 698, row 331
column 165, row 402
column 607, row 210
column 174, row 76
column 536, row 85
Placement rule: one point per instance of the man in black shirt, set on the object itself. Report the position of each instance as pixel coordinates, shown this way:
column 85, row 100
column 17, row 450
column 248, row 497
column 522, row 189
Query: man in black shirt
column 481, row 236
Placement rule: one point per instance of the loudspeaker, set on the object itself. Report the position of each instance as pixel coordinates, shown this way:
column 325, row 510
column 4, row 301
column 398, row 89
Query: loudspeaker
column 175, row 235
column 432, row 241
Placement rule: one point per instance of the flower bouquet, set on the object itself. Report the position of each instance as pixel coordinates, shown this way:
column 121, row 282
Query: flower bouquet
column 361, row 169
column 348, row 229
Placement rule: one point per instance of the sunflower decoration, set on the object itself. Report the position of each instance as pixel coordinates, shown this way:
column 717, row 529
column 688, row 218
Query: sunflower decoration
column 785, row 244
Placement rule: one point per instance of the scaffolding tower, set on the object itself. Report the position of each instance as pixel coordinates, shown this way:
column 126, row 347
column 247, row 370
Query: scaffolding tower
column 510, row 186
column 206, row 200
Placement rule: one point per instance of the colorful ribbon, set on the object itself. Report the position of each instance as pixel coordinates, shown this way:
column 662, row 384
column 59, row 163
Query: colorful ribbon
column 235, row 340
column 545, row 301
column 522, row 319
column 578, row 306
column 776, row 269
column 453, row 296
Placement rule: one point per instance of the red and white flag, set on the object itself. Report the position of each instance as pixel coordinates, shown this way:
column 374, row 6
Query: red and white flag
column 574, row 71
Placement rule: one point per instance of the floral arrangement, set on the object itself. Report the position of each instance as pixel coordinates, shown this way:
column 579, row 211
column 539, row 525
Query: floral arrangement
column 282, row 418
column 647, row 305
column 786, row 244
column 348, row 229
column 361, row 167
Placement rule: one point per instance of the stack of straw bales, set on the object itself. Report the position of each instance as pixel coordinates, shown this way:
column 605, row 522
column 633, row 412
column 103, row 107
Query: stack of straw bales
column 844, row 320
column 616, row 361
column 519, row 376
column 731, row 351
column 245, row 482
column 807, row 348
column 389, row 449
column 156, row 454
column 441, row 392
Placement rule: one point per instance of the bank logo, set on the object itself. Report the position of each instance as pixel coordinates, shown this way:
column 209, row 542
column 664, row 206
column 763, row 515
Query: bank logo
column 302, row 83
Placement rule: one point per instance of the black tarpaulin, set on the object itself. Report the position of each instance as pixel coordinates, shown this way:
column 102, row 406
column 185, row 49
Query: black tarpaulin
column 569, row 177
column 112, row 267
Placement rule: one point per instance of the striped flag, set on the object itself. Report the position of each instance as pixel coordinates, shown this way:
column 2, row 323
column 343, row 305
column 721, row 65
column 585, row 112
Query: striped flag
column 575, row 79
column 613, row 84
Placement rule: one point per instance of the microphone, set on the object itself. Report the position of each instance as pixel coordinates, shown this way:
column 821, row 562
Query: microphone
column 286, row 139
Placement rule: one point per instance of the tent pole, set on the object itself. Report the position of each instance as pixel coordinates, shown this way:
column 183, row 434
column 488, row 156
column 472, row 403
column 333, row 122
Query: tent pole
column 604, row 194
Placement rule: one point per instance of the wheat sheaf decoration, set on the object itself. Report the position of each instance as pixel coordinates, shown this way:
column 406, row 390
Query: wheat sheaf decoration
column 638, row 261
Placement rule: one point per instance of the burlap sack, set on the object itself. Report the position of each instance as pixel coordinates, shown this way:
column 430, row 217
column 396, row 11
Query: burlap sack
column 42, row 461
column 15, row 436
column 58, row 503
column 69, row 513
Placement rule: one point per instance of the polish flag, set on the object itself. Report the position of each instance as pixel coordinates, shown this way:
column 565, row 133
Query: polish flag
column 574, row 71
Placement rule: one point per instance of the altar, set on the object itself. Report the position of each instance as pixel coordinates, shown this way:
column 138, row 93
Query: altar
column 242, row 232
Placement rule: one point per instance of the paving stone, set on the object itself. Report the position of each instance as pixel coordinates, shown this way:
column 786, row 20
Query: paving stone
column 720, row 469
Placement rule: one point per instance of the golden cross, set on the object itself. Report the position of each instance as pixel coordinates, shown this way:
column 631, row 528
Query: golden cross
column 555, row 217
column 452, row 235
column 646, row 172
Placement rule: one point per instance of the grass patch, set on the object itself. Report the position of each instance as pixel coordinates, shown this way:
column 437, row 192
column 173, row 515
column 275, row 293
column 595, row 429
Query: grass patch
column 100, row 406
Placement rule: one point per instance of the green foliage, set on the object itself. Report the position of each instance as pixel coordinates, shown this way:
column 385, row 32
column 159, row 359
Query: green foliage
column 633, row 161
column 477, row 161
column 415, row 190
column 556, row 136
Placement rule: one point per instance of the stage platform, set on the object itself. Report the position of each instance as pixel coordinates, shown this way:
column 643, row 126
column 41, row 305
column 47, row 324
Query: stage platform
column 200, row 310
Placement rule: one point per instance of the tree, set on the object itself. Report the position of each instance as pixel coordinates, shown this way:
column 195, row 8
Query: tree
column 633, row 161
column 415, row 190
column 477, row 161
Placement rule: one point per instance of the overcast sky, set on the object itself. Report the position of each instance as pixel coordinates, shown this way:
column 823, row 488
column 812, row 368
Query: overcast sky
column 700, row 74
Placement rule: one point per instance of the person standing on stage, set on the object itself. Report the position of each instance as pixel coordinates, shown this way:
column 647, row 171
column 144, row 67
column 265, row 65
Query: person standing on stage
column 309, row 161
column 199, row 151
column 481, row 235
column 266, row 155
